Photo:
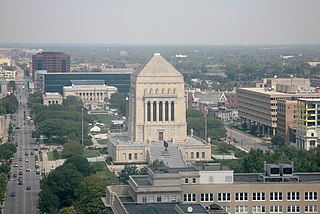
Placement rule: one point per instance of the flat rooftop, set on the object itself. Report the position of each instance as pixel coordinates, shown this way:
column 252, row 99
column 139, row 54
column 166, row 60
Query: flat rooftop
column 254, row 177
column 265, row 91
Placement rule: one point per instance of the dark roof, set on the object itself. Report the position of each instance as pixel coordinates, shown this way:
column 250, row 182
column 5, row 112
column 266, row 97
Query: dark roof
column 126, row 199
column 159, row 208
column 87, row 82
column 141, row 180
column 190, row 169
column 196, row 208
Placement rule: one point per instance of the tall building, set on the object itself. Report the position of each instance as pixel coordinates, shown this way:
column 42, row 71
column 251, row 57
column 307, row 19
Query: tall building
column 286, row 117
column 54, row 82
column 277, row 190
column 157, row 127
column 51, row 62
column 258, row 106
column 308, row 123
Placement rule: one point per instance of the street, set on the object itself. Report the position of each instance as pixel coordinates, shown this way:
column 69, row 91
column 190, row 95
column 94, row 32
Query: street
column 247, row 142
column 22, row 196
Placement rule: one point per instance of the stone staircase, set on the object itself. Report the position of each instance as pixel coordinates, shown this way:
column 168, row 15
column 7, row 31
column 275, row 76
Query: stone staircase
column 172, row 158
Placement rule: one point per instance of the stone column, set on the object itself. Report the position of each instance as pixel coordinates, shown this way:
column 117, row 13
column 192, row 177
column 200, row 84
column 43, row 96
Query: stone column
column 157, row 111
column 151, row 111
column 145, row 112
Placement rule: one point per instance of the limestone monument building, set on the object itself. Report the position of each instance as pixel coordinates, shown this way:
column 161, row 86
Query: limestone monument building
column 157, row 117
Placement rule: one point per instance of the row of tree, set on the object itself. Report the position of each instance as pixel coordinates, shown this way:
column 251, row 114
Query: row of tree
column 59, row 123
column 72, row 188
column 9, row 104
column 303, row 160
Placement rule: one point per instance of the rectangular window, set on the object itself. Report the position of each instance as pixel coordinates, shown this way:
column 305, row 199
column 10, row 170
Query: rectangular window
column 144, row 199
column 241, row 209
column 151, row 199
column 206, row 197
column 293, row 209
column 227, row 209
column 172, row 111
column 310, row 196
column 241, row 196
column 148, row 111
column 154, row 111
column 203, row 155
column 293, row 196
column 166, row 110
column 276, row 209
column 311, row 209
column 158, row 198
column 160, row 111
column 186, row 180
column 258, row 196
column 194, row 180
column 275, row 196
column 258, row 209
column 189, row 197
column 224, row 196
column 197, row 155
column 173, row 199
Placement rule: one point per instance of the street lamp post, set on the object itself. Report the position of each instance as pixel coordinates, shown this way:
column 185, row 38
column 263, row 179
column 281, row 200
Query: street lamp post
column 82, row 127
column 205, row 128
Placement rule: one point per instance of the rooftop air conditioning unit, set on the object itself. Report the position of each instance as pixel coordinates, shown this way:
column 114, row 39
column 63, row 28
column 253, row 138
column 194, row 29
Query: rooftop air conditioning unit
column 273, row 170
column 286, row 170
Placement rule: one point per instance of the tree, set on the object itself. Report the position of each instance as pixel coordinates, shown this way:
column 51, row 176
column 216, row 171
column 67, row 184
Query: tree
column 126, row 172
column 4, row 168
column 155, row 165
column 68, row 210
column 277, row 140
column 72, row 147
column 63, row 182
column 118, row 100
column 89, row 194
column 80, row 163
column 48, row 202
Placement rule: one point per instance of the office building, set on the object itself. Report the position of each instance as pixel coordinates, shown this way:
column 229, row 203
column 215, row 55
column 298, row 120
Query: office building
column 51, row 62
column 308, row 123
column 286, row 117
column 54, row 82
column 258, row 106
column 277, row 190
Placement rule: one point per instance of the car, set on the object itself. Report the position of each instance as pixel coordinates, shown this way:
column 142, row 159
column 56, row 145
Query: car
column 20, row 146
column 21, row 168
column 14, row 175
column 20, row 183
column 28, row 170
column 27, row 160
column 28, row 187
column 32, row 153
column 20, row 173
column 20, row 159
column 26, row 153
column 13, row 194
column 26, row 132
column 16, row 165
column 18, row 127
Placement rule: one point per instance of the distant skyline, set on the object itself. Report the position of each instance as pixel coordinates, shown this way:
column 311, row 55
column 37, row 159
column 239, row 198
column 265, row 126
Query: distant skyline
column 190, row 22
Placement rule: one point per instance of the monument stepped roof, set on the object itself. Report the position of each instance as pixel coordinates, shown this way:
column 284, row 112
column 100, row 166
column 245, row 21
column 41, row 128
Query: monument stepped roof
column 158, row 66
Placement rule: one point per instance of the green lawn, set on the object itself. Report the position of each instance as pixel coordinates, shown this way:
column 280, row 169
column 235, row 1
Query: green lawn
column 103, row 171
column 51, row 157
column 102, row 141
column 90, row 153
column 104, row 118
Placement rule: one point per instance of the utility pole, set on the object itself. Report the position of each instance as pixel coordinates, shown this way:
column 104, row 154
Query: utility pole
column 82, row 127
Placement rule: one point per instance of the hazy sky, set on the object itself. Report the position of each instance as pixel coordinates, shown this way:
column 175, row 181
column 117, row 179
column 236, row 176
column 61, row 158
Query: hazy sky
column 217, row 22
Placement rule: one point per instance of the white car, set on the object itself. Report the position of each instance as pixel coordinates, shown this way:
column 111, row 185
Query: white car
column 27, row 160
column 15, row 165
column 28, row 170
